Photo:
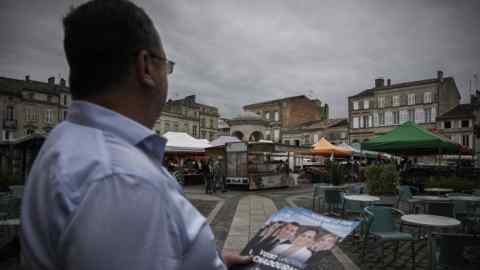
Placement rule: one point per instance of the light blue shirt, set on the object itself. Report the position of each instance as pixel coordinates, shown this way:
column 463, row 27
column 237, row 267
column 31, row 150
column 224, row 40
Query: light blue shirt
column 98, row 197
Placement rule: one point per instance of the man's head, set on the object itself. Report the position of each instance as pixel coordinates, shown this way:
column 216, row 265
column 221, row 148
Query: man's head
column 112, row 46
column 288, row 231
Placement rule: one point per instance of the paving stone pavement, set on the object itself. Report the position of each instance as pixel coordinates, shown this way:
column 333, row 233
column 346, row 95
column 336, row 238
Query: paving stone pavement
column 251, row 213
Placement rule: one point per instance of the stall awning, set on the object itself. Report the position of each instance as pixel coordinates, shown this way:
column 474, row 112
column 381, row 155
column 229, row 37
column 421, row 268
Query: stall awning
column 410, row 139
column 325, row 148
column 182, row 142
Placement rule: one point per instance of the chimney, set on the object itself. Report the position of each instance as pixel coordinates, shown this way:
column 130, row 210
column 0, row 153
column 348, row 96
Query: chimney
column 51, row 80
column 440, row 75
column 389, row 82
column 62, row 82
column 27, row 78
column 379, row 82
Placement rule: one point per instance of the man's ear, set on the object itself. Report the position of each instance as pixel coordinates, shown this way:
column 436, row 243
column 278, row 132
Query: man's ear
column 144, row 69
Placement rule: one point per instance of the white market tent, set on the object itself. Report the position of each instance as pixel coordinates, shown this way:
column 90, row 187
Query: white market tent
column 182, row 142
column 222, row 140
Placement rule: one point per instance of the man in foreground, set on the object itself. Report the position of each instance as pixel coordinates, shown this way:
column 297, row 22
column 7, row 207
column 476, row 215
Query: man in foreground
column 98, row 196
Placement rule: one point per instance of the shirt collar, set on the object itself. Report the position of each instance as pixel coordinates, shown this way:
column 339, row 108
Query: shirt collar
column 92, row 115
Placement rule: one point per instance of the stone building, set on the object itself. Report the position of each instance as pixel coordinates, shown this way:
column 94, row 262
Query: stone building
column 457, row 124
column 309, row 133
column 186, row 115
column 249, row 126
column 223, row 127
column 29, row 106
column 380, row 109
column 281, row 114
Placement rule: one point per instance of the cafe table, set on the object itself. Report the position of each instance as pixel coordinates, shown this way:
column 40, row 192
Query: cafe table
column 430, row 222
column 438, row 191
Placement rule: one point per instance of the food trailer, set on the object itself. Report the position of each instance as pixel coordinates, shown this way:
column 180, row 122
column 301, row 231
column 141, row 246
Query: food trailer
column 261, row 165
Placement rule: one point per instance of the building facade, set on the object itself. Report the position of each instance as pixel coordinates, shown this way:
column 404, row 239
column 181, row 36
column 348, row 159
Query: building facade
column 31, row 107
column 457, row 125
column 281, row 114
column 307, row 134
column 186, row 115
column 380, row 109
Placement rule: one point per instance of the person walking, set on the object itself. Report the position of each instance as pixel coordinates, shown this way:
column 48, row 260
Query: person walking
column 98, row 196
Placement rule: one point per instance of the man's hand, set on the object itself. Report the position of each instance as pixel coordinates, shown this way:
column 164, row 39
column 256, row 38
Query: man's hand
column 235, row 259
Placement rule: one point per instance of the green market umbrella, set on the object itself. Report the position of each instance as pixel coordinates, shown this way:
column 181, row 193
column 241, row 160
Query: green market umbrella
column 410, row 139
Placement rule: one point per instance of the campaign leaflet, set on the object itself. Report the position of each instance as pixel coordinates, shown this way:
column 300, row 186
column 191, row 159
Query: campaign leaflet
column 294, row 239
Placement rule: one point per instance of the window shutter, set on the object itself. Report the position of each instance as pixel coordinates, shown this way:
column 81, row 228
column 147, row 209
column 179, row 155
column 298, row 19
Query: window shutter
column 403, row 117
column 370, row 120
column 375, row 119
column 388, row 118
column 419, row 116
column 434, row 114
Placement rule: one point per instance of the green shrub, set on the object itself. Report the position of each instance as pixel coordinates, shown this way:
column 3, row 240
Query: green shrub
column 458, row 184
column 382, row 179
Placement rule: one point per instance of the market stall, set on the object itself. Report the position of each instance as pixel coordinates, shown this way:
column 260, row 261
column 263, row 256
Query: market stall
column 184, row 155
column 259, row 165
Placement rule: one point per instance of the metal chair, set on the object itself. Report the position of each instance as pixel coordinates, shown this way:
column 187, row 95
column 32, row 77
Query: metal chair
column 405, row 195
column 446, row 209
column 380, row 224
column 448, row 250
column 319, row 195
column 334, row 200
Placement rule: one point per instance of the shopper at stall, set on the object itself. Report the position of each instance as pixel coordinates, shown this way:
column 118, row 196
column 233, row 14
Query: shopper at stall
column 97, row 196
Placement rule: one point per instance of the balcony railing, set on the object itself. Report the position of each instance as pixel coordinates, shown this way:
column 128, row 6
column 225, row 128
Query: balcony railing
column 9, row 124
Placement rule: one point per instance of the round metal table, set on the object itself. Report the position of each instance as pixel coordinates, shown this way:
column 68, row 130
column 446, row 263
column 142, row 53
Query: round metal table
column 432, row 198
column 438, row 190
column 362, row 198
column 430, row 222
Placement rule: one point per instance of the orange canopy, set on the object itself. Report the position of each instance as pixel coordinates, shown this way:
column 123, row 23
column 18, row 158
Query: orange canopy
column 325, row 148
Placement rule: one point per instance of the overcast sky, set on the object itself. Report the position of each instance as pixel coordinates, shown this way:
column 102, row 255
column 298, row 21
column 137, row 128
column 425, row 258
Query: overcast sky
column 232, row 53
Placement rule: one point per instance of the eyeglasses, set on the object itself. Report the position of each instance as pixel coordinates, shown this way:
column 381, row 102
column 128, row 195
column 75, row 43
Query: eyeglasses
column 170, row 64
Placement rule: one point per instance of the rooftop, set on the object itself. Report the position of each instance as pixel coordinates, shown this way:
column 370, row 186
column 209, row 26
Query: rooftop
column 273, row 101
column 371, row 91
column 460, row 111
column 16, row 86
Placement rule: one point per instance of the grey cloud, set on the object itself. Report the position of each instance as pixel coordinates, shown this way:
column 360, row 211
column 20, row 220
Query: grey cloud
column 231, row 53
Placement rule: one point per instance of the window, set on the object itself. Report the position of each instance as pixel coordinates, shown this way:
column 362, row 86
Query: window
column 277, row 116
column 276, row 135
column 286, row 142
column 297, row 142
column 315, row 138
column 211, row 123
column 194, row 131
column 427, row 97
column 65, row 100
column 428, row 115
column 65, row 114
column 204, row 134
column 355, row 105
column 185, row 127
column 411, row 115
column 396, row 117
column 356, row 122
column 419, row 116
column 364, row 123
column 381, row 118
column 447, row 124
column 167, row 126
column 366, row 104
column 343, row 135
column 49, row 116
column 396, row 101
column 202, row 122
column 306, row 139
column 175, row 126
column 465, row 123
column 381, row 102
column 7, row 135
column 466, row 140
column 29, row 131
column 10, row 115
column 268, row 136
column 411, row 99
